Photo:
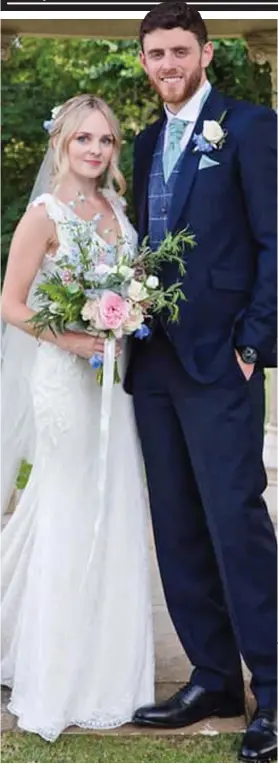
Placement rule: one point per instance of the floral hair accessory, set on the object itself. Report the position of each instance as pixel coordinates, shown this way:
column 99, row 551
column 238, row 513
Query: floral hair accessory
column 48, row 123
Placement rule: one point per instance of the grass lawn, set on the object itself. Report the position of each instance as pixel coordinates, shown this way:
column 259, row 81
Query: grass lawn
column 22, row 747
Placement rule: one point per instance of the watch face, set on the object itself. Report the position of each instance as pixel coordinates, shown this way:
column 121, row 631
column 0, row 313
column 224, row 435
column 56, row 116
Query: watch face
column 249, row 355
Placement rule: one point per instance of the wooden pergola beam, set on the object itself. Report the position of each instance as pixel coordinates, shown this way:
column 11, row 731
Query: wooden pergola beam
column 123, row 28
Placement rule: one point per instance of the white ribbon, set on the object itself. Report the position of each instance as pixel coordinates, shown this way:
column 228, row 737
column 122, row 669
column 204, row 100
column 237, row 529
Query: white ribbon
column 105, row 414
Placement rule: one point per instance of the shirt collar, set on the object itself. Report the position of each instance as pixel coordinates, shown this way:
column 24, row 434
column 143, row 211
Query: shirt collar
column 191, row 110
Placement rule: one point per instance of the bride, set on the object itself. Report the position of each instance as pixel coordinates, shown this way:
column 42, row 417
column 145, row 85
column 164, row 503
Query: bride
column 77, row 642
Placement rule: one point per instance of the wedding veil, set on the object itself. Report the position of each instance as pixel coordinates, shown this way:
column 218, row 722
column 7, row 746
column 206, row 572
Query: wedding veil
column 18, row 357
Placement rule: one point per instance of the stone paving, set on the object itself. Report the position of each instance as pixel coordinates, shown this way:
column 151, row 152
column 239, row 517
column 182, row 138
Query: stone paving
column 172, row 667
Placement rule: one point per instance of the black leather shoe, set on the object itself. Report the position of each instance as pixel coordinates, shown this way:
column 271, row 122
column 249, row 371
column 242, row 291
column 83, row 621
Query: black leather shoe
column 189, row 705
column 260, row 739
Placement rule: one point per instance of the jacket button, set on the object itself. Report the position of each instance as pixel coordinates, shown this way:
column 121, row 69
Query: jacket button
column 163, row 210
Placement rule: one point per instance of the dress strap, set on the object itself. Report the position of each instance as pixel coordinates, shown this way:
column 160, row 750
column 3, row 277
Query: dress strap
column 117, row 201
column 53, row 208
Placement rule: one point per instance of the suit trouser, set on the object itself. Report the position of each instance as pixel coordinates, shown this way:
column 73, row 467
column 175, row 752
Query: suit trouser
column 216, row 548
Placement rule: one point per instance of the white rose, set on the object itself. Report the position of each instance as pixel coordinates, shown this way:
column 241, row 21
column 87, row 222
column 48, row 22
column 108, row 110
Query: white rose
column 136, row 291
column 55, row 111
column 90, row 312
column 212, row 131
column 126, row 272
column 134, row 320
column 152, row 282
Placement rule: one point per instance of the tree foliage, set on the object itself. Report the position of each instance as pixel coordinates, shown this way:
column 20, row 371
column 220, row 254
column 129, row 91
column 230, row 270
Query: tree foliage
column 42, row 73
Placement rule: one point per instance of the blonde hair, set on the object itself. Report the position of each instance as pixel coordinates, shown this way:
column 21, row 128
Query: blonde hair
column 66, row 122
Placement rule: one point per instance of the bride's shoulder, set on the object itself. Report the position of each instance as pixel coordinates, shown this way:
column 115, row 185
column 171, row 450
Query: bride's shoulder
column 46, row 205
column 37, row 209
column 36, row 220
column 41, row 200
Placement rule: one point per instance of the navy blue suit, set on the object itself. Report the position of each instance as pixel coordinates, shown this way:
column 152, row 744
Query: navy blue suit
column 200, row 422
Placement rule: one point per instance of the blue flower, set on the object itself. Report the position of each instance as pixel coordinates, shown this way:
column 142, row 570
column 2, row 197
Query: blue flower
column 201, row 143
column 96, row 361
column 142, row 332
column 72, row 257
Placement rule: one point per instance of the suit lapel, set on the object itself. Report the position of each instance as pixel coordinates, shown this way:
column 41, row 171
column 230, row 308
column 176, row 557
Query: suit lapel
column 144, row 167
column 212, row 109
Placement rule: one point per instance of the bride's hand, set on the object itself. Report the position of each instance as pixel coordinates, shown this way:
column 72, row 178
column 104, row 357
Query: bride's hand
column 80, row 343
column 84, row 345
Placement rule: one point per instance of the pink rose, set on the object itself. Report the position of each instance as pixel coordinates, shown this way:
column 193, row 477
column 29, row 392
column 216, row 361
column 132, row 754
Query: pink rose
column 113, row 310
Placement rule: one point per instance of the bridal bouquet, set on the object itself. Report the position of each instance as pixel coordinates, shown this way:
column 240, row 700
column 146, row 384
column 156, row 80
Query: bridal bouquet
column 109, row 300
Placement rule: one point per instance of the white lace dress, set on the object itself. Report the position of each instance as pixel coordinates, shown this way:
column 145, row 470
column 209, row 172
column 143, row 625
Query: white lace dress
column 76, row 649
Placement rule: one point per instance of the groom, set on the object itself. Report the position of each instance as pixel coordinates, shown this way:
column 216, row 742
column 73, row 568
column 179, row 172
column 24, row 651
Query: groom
column 198, row 385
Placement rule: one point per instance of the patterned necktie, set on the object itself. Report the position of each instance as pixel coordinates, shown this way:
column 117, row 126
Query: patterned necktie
column 173, row 149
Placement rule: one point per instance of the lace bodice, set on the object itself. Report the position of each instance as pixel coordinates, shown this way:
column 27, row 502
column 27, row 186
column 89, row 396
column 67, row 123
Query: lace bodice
column 67, row 222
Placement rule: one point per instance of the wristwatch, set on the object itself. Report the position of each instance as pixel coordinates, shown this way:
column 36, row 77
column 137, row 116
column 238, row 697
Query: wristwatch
column 247, row 354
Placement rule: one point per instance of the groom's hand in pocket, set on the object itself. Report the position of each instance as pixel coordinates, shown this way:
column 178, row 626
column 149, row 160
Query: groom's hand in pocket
column 246, row 368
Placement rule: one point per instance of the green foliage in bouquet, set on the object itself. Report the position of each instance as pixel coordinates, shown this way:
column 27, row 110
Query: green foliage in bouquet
column 171, row 250
column 67, row 301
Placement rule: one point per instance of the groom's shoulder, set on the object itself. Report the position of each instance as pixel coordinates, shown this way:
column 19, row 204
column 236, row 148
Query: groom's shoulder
column 247, row 113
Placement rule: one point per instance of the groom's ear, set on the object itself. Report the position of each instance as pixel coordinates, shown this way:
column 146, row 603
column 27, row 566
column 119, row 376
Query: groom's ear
column 142, row 59
column 207, row 54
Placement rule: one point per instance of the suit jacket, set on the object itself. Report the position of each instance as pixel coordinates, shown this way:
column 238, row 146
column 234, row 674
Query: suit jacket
column 231, row 207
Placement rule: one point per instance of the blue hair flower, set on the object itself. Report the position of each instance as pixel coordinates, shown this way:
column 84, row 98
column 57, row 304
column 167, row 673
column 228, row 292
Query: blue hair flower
column 48, row 124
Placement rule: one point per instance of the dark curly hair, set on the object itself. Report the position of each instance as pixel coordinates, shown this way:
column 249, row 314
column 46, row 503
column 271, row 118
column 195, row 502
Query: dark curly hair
column 174, row 13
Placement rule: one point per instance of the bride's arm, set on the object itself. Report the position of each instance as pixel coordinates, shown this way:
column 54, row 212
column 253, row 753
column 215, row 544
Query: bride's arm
column 30, row 242
column 33, row 237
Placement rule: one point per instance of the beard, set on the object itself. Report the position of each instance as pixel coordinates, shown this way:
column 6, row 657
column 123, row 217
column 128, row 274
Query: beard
column 179, row 95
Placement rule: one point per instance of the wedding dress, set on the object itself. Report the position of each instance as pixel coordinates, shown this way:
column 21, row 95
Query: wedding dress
column 77, row 643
